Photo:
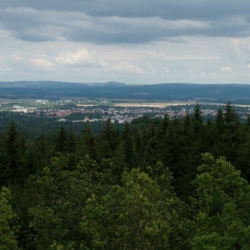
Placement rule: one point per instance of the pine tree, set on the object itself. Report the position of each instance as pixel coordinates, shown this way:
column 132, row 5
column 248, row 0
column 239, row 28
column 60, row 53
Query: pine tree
column 61, row 140
column 11, row 167
column 108, row 140
column 232, row 139
column 87, row 144
column 230, row 114
column 197, row 121
column 222, row 215
column 71, row 143
column 7, row 233
column 131, row 158
column 219, row 120
column 165, row 123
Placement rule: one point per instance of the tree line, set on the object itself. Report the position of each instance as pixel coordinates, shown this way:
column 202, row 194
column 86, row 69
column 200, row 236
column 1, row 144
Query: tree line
column 169, row 184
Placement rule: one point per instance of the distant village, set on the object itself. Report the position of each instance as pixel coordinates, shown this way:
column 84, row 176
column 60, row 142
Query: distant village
column 95, row 113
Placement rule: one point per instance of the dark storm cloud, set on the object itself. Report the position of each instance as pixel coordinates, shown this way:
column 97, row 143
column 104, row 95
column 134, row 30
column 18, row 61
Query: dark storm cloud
column 113, row 21
column 167, row 9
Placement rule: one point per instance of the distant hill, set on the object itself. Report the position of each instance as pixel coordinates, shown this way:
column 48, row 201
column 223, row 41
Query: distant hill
column 239, row 93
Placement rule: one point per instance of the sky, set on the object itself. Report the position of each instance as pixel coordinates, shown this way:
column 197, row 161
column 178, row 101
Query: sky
column 130, row 41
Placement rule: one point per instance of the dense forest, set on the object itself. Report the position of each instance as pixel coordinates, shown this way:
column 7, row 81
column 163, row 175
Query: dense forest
column 52, row 90
column 153, row 184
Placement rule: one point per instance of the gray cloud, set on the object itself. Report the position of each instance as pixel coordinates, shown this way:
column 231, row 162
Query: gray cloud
column 140, row 41
column 110, row 22
column 167, row 9
column 30, row 24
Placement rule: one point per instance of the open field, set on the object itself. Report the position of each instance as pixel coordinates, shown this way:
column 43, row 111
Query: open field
column 133, row 103
column 153, row 104
column 168, row 104
column 86, row 105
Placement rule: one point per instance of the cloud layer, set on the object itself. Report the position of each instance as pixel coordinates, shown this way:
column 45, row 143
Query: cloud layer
column 123, row 21
column 135, row 41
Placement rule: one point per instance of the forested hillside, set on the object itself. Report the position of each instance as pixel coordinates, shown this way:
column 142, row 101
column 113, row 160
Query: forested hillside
column 172, row 184
column 51, row 90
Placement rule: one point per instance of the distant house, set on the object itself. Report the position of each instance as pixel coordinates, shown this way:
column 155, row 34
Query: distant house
column 62, row 120
column 120, row 121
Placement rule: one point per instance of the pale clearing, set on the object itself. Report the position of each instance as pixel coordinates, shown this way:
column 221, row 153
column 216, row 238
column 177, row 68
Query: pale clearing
column 153, row 104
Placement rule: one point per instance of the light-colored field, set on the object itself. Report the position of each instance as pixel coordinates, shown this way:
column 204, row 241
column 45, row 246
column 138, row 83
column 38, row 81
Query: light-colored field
column 86, row 105
column 152, row 104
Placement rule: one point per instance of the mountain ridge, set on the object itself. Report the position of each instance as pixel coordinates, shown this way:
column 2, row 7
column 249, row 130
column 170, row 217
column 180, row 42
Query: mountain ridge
column 110, row 90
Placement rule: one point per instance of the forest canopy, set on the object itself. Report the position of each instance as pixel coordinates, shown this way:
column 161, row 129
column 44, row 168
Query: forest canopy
column 171, row 184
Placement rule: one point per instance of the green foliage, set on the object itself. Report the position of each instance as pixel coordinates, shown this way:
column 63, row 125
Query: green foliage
column 108, row 140
column 230, row 115
column 7, row 216
column 61, row 199
column 128, row 142
column 12, row 169
column 61, row 140
column 222, row 201
column 131, row 216
column 87, row 144
column 147, row 186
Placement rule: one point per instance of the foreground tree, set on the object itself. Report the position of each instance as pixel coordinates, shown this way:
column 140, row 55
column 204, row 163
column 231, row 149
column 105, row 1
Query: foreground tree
column 136, row 215
column 7, row 231
column 61, row 140
column 11, row 168
column 87, row 144
column 128, row 217
column 61, row 195
column 222, row 215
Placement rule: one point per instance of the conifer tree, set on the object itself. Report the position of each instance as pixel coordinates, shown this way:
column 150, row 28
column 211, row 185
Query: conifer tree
column 131, row 158
column 247, row 121
column 197, row 122
column 44, row 151
column 131, row 216
column 71, row 149
column 108, row 140
column 222, row 216
column 87, row 144
column 219, row 120
column 165, row 123
column 197, row 115
column 230, row 114
column 7, row 232
column 61, row 196
column 149, row 147
column 232, row 138
column 71, row 143
column 119, row 164
column 11, row 167
column 187, row 121
column 217, row 136
column 61, row 140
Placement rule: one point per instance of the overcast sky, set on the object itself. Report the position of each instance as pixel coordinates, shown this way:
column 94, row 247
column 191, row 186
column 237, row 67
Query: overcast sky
column 131, row 41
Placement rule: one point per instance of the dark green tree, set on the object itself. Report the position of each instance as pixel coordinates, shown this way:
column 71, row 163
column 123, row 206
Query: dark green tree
column 131, row 216
column 231, row 134
column 71, row 143
column 61, row 140
column 165, row 123
column 7, row 216
column 222, row 217
column 108, row 140
column 128, row 142
column 219, row 120
column 87, row 144
column 230, row 114
column 11, row 167
column 61, row 197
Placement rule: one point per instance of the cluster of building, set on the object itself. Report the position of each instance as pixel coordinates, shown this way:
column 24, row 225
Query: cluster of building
column 21, row 109
column 116, row 114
